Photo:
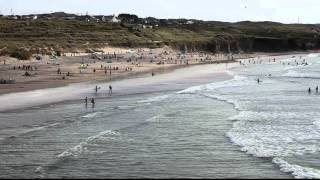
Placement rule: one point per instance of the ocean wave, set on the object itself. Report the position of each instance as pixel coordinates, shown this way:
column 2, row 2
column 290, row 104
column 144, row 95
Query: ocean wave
column 144, row 102
column 237, row 104
column 258, row 116
column 313, row 55
column 295, row 74
column 154, row 118
column 236, row 81
column 297, row 171
column 39, row 128
column 156, row 99
column 91, row 115
column 125, row 107
column 82, row 148
column 76, row 151
column 257, row 134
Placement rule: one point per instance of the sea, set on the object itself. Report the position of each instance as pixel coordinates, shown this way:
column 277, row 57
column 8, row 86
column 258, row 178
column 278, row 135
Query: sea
column 208, row 121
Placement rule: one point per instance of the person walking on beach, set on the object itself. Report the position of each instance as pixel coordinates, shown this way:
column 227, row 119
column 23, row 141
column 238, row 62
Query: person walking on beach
column 317, row 89
column 110, row 90
column 258, row 81
column 86, row 100
column 96, row 88
column 309, row 90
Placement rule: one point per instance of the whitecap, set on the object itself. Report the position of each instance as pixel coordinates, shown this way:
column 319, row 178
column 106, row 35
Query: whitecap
column 81, row 148
column 297, row 171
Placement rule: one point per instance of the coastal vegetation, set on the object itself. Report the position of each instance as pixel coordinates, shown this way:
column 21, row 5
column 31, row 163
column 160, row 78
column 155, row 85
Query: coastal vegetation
column 68, row 32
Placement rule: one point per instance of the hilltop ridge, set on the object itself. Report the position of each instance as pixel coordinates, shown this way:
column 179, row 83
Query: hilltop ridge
column 70, row 32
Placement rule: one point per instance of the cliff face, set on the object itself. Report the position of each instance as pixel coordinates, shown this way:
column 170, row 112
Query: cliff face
column 250, row 44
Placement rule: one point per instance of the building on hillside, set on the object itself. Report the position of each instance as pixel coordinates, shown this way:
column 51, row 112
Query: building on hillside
column 103, row 19
column 14, row 17
column 189, row 22
column 115, row 19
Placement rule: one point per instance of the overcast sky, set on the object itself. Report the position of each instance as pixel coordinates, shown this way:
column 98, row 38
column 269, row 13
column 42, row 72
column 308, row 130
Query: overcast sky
column 285, row 11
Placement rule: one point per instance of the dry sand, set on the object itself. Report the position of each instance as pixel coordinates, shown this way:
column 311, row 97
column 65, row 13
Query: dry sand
column 45, row 75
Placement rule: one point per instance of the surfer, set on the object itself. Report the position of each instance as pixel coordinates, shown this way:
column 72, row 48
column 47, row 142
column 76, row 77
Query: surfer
column 92, row 101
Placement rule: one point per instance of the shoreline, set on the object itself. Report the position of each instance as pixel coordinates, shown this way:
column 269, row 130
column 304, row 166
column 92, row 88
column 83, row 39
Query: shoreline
column 53, row 83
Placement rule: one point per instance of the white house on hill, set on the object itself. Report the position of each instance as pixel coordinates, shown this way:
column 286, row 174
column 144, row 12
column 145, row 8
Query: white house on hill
column 115, row 19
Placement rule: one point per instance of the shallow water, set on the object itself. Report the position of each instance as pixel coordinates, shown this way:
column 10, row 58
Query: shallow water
column 140, row 136
column 229, row 128
column 277, row 118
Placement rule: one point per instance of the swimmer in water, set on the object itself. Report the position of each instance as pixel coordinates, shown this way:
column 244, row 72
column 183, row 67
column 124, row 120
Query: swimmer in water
column 92, row 102
column 110, row 90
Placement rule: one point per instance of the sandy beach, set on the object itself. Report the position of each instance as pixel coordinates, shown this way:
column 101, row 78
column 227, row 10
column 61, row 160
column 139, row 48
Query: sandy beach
column 108, row 65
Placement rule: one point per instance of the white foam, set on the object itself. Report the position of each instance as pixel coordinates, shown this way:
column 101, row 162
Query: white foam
column 296, row 74
column 231, row 73
column 125, row 107
column 74, row 151
column 39, row 169
column 236, row 81
column 257, row 134
column 91, row 115
column 237, row 104
column 154, row 118
column 156, row 99
column 317, row 123
column 81, row 148
column 313, row 55
column 297, row 171
column 39, row 128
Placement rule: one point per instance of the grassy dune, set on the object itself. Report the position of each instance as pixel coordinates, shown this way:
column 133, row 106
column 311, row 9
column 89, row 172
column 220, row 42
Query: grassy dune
column 71, row 35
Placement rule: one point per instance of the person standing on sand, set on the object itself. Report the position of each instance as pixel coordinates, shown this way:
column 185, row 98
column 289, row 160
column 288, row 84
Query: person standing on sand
column 86, row 100
column 317, row 89
column 309, row 90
